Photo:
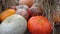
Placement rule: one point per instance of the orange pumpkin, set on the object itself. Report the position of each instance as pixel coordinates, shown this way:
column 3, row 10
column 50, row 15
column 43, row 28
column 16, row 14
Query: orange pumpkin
column 7, row 13
column 39, row 25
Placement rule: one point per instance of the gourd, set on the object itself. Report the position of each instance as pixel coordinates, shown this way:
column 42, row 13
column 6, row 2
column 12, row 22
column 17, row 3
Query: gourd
column 6, row 13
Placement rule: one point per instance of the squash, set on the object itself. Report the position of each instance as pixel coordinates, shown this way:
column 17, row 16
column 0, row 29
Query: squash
column 7, row 13
column 39, row 25
column 14, row 24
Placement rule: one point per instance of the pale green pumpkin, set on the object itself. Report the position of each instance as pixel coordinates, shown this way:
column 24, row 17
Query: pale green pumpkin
column 14, row 24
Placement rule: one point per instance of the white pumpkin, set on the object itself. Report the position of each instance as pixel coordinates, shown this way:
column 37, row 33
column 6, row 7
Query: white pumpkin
column 14, row 24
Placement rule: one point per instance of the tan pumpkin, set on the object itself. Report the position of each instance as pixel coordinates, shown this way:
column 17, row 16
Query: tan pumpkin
column 26, row 2
column 7, row 13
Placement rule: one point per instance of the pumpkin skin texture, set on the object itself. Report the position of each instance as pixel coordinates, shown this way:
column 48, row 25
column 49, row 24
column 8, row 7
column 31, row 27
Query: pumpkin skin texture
column 7, row 13
column 39, row 25
column 14, row 24
column 26, row 2
column 23, row 13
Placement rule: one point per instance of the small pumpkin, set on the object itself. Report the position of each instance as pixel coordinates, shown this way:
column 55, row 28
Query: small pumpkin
column 7, row 13
column 26, row 2
column 39, row 25
column 35, row 10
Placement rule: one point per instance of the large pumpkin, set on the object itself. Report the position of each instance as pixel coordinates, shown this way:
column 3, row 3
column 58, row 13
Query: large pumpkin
column 7, row 13
column 39, row 25
column 26, row 2
column 14, row 24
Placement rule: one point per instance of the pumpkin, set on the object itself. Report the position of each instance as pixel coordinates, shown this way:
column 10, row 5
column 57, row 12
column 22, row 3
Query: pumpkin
column 35, row 10
column 39, row 25
column 23, row 13
column 7, row 13
column 26, row 2
column 14, row 24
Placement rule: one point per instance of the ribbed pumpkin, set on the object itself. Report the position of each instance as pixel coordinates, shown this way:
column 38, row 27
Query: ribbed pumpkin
column 39, row 25
column 7, row 13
